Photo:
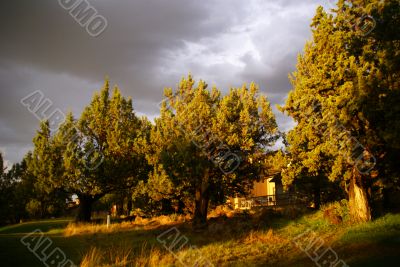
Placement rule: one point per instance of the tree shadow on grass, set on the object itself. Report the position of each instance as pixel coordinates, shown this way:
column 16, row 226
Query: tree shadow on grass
column 141, row 239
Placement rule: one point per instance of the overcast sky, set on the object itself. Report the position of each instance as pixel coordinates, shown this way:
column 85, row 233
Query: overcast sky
column 147, row 45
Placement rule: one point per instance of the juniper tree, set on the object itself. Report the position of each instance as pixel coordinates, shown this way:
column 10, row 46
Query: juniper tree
column 344, row 100
column 101, row 152
column 207, row 146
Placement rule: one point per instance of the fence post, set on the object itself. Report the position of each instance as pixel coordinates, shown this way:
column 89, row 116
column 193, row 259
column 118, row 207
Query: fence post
column 108, row 220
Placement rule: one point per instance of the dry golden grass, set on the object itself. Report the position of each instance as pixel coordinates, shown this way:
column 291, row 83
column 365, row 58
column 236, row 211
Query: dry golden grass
column 124, row 256
column 112, row 257
column 222, row 210
column 80, row 228
column 263, row 237
column 247, row 243
column 153, row 257
column 140, row 223
column 244, row 240
column 93, row 258
column 260, row 247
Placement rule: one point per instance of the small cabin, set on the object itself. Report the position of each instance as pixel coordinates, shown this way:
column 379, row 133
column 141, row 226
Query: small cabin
column 267, row 192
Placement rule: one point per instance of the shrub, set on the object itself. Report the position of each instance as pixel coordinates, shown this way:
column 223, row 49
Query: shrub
column 33, row 207
column 335, row 210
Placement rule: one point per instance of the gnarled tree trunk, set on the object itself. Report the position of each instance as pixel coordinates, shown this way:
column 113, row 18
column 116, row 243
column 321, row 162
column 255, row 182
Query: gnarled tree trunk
column 201, row 205
column 360, row 210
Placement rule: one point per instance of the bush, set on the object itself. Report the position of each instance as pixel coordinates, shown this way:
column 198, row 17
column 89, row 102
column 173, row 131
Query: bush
column 335, row 210
column 33, row 207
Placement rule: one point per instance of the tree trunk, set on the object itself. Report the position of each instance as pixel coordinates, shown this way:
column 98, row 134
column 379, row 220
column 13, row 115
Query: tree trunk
column 120, row 207
column 85, row 208
column 181, row 207
column 359, row 205
column 317, row 196
column 201, row 205
column 129, row 206
column 166, row 206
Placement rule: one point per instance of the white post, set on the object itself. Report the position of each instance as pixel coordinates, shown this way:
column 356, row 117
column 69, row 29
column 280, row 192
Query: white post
column 108, row 220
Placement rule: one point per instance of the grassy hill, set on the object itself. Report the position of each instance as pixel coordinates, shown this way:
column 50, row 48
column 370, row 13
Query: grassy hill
column 242, row 240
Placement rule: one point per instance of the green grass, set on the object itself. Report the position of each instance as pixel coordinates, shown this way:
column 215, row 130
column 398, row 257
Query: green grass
column 239, row 242
column 375, row 243
column 44, row 226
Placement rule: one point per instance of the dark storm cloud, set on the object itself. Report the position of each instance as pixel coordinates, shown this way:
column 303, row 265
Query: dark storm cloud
column 147, row 46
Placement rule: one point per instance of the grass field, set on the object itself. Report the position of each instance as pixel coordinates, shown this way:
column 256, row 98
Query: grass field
column 237, row 241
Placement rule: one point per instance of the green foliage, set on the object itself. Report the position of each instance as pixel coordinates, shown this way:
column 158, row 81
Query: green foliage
column 98, row 153
column 343, row 99
column 2, row 168
column 34, row 208
column 43, row 171
column 101, row 152
column 16, row 189
column 208, row 146
column 340, row 208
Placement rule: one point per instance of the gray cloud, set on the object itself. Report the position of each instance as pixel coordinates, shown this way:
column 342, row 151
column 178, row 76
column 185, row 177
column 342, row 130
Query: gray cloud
column 148, row 45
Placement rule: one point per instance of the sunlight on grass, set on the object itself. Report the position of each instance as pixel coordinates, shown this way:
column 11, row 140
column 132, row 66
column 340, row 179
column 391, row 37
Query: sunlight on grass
column 79, row 229
column 124, row 256
column 49, row 226
column 378, row 230
column 139, row 224
column 242, row 240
